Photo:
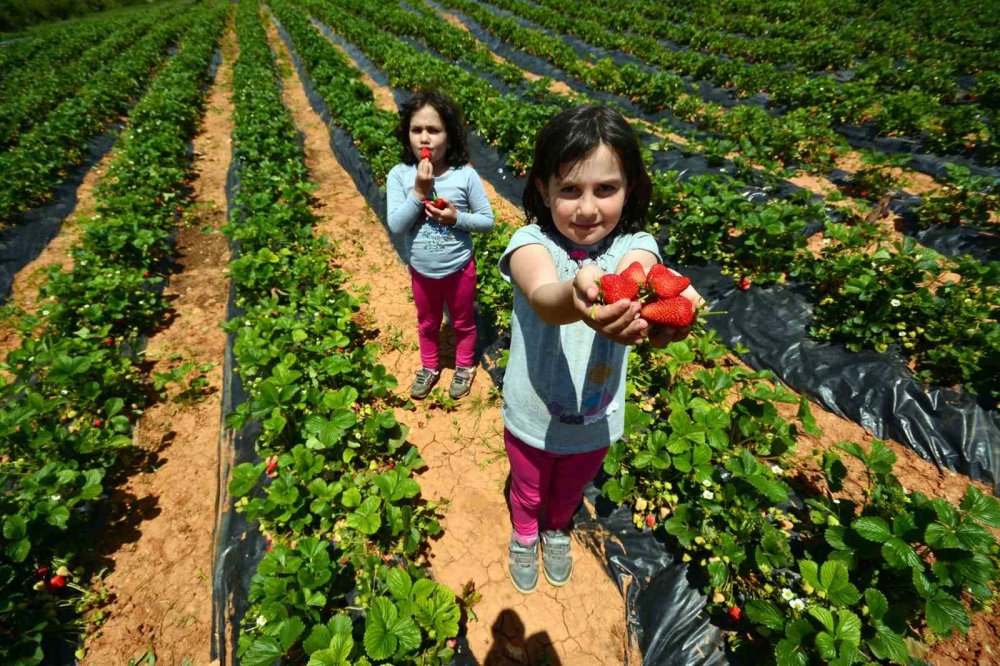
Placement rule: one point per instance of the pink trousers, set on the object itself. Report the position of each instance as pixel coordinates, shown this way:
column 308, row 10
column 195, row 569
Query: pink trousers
column 546, row 488
column 458, row 290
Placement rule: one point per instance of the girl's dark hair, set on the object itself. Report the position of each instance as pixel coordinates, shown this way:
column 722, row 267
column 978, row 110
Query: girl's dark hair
column 458, row 151
column 572, row 135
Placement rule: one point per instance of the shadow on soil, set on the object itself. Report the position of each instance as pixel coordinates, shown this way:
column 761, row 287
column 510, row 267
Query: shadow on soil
column 511, row 647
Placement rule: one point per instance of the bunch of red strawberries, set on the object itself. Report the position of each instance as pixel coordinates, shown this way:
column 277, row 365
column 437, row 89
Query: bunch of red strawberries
column 659, row 291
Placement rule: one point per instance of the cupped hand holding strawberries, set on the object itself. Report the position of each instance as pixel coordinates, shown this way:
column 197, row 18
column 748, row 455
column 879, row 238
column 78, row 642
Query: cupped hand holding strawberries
column 438, row 209
column 632, row 305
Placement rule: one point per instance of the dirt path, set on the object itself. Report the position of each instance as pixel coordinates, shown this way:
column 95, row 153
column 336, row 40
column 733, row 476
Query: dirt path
column 160, row 541
column 581, row 624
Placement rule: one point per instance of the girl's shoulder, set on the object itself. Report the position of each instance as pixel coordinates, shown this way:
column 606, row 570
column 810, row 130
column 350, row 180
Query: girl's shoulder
column 401, row 169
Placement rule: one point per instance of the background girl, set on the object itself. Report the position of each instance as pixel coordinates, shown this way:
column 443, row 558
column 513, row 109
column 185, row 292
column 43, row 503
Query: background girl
column 564, row 388
column 435, row 199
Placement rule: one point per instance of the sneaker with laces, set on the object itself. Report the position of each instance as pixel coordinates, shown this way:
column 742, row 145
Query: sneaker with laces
column 522, row 565
column 557, row 557
column 461, row 383
column 423, row 383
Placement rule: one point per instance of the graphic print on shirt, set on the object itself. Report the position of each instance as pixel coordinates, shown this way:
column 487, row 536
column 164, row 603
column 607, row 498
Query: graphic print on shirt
column 435, row 237
column 598, row 402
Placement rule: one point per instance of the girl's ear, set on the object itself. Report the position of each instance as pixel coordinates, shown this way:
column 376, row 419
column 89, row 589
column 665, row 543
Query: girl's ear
column 543, row 189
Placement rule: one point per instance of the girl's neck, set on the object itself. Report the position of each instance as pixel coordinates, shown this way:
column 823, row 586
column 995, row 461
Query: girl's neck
column 441, row 168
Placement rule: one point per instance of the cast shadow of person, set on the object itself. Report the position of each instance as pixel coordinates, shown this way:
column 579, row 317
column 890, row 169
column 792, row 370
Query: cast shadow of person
column 510, row 647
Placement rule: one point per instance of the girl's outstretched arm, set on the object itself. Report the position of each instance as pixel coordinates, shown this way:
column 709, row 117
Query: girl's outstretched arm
column 559, row 303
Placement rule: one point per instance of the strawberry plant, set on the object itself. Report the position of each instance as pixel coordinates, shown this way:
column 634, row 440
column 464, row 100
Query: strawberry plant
column 963, row 199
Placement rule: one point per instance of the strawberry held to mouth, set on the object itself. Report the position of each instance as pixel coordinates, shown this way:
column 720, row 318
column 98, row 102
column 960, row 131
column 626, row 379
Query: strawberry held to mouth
column 425, row 153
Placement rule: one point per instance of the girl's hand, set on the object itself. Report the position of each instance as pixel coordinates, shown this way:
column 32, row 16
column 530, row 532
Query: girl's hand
column 425, row 179
column 619, row 322
column 661, row 336
column 446, row 215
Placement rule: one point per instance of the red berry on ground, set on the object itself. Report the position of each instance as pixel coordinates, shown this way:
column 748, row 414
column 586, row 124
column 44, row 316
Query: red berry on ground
column 146, row 274
column 58, row 582
column 41, row 572
column 743, row 284
column 864, row 194
column 735, row 613
column 650, row 521
column 98, row 423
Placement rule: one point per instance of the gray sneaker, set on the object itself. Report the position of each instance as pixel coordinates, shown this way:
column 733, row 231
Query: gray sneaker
column 522, row 566
column 423, row 383
column 461, row 382
column 557, row 559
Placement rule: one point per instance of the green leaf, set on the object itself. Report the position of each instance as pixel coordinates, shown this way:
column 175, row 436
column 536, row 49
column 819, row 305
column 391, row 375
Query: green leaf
column 974, row 537
column 824, row 616
column 888, row 645
column 15, row 528
column 18, row 551
column 981, row 507
column 806, row 417
column 264, row 651
column 899, row 554
column 873, row 529
column 380, row 641
column 835, row 579
column 399, row 584
column 289, row 632
column 849, row 628
column 351, row 498
column 944, row 612
column 810, row 572
column 826, row 645
column 367, row 518
column 765, row 613
column 881, row 458
column 718, row 573
column 790, row 652
column 318, row 639
column 878, row 605
column 244, row 478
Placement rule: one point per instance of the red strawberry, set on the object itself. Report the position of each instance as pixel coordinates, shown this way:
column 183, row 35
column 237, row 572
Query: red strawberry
column 58, row 582
column 616, row 287
column 864, row 194
column 98, row 423
column 743, row 284
column 272, row 467
column 650, row 521
column 664, row 283
column 735, row 612
column 109, row 342
column 425, row 153
column 439, row 203
column 674, row 312
column 146, row 274
column 635, row 272
column 41, row 572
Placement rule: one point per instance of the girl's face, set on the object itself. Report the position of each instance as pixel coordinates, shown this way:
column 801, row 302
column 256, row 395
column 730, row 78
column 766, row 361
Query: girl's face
column 427, row 129
column 586, row 198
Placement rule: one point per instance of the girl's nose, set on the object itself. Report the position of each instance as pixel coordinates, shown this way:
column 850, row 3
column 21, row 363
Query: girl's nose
column 587, row 206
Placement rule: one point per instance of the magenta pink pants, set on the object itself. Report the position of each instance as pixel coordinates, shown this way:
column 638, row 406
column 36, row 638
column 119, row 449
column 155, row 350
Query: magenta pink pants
column 458, row 290
column 546, row 486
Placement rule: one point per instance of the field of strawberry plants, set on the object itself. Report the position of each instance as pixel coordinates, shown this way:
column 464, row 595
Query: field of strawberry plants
column 824, row 172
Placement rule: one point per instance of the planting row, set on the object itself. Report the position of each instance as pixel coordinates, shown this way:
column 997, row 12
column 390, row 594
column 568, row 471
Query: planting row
column 940, row 128
column 948, row 331
column 40, row 88
column 334, row 492
column 727, row 446
column 75, row 388
column 41, row 158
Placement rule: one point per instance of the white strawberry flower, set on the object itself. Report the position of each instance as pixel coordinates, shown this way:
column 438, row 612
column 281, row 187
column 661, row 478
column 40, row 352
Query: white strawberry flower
column 787, row 594
column 777, row 470
column 708, row 494
column 797, row 604
column 895, row 302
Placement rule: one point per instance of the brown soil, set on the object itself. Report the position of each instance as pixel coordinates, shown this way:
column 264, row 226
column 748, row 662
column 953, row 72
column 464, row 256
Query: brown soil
column 159, row 544
column 583, row 623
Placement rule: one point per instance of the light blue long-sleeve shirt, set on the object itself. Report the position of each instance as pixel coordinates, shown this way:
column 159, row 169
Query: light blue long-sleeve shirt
column 432, row 249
